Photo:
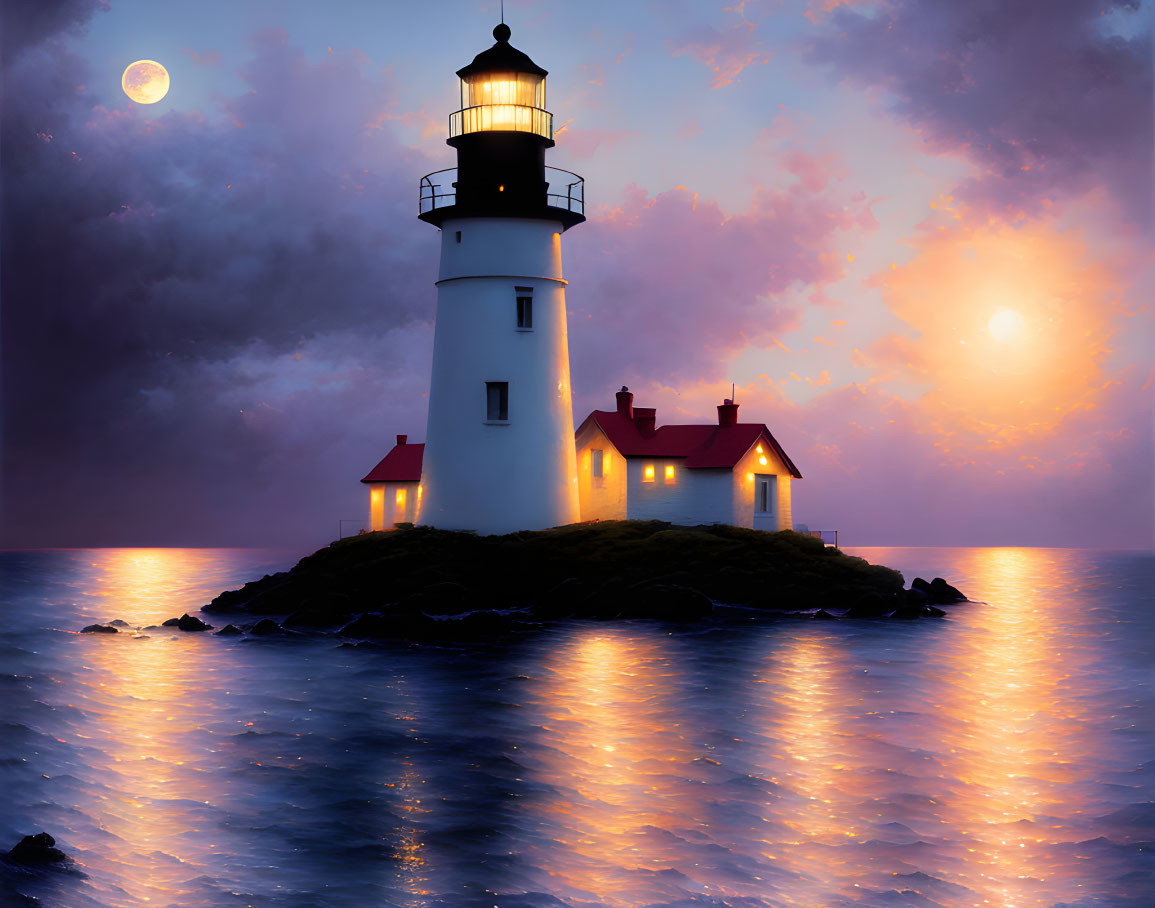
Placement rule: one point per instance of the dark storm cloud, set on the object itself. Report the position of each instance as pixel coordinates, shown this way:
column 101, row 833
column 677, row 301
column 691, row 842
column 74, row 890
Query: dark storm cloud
column 154, row 270
column 1047, row 97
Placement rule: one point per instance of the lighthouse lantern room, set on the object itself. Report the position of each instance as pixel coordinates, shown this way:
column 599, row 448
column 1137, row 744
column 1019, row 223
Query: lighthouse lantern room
column 499, row 453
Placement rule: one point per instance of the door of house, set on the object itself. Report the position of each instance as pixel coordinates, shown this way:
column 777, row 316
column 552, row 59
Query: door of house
column 765, row 502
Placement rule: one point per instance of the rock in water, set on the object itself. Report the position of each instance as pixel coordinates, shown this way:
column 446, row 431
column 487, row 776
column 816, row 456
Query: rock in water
column 187, row 622
column 872, row 605
column 264, row 627
column 938, row 591
column 229, row 630
column 172, row 622
column 117, row 622
column 823, row 615
column 99, row 629
column 37, row 849
column 942, row 593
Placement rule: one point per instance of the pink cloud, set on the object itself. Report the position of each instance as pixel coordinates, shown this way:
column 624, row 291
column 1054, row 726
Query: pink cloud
column 583, row 143
column 672, row 286
column 207, row 58
column 726, row 53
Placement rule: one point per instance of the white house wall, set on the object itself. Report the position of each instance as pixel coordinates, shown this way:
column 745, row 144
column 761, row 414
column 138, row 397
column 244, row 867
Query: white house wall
column 693, row 497
column 385, row 510
column 742, row 486
column 498, row 478
column 602, row 497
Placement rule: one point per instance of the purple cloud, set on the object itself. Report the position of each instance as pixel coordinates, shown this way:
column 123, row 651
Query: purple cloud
column 161, row 276
column 1049, row 98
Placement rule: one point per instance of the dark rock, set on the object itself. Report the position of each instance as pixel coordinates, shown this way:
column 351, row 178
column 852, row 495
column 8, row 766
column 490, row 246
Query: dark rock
column 187, row 622
column 117, row 622
column 474, row 626
column 37, row 849
column 823, row 615
column 872, row 605
column 445, row 598
column 667, row 602
column 550, row 609
column 229, row 630
column 99, row 629
column 930, row 611
column 942, row 593
column 411, row 626
column 264, row 627
column 919, row 584
column 910, row 604
column 172, row 622
column 231, row 600
column 315, row 619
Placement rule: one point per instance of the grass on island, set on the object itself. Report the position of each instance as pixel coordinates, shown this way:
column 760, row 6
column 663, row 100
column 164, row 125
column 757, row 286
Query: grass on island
column 601, row 569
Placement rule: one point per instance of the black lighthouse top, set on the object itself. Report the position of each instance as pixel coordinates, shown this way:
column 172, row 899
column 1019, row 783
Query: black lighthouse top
column 501, row 133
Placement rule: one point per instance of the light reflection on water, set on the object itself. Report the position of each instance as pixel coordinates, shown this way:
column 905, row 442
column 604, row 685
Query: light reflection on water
column 994, row 758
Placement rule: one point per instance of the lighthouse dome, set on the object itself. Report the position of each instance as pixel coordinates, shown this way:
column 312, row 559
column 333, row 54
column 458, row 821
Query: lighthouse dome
column 502, row 90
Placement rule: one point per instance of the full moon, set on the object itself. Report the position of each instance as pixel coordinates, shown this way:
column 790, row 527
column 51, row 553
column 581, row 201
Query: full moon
column 1005, row 325
column 145, row 81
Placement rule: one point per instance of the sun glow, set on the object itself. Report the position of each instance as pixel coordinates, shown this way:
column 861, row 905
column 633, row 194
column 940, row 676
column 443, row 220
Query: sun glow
column 1005, row 325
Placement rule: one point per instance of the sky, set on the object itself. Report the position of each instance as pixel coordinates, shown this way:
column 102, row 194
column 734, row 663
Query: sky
column 216, row 311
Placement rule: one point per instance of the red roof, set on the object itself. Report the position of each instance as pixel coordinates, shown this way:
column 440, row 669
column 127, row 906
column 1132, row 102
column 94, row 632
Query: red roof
column 402, row 464
column 704, row 447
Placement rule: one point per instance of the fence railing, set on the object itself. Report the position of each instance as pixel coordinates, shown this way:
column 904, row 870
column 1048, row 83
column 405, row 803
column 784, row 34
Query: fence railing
column 341, row 531
column 828, row 537
column 564, row 189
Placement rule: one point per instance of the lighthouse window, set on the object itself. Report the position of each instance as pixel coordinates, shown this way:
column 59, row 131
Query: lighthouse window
column 524, row 311
column 497, row 400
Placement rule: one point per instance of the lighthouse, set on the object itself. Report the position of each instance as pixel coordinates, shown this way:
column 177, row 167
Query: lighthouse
column 499, row 451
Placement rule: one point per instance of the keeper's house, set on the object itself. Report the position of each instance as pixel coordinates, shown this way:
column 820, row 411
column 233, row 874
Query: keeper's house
column 395, row 486
column 732, row 473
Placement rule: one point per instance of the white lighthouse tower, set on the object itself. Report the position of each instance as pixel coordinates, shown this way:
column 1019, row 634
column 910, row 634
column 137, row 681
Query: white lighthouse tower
column 499, row 452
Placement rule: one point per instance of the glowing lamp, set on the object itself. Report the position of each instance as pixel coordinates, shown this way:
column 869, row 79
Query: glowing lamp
column 762, row 460
column 758, row 449
column 502, row 90
column 749, row 477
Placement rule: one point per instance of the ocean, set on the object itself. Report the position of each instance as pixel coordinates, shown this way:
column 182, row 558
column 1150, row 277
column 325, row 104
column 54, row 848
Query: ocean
column 1003, row 756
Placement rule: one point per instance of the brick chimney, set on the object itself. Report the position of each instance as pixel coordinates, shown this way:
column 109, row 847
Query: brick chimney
column 401, row 439
column 727, row 413
column 626, row 403
column 645, row 418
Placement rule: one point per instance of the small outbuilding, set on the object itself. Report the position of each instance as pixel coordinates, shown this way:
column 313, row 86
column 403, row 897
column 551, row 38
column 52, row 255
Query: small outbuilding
column 395, row 486
column 731, row 473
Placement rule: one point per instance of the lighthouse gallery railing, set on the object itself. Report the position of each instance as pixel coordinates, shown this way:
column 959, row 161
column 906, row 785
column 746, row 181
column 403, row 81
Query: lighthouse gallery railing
column 565, row 189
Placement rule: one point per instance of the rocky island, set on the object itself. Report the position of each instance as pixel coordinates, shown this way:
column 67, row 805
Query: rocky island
column 423, row 584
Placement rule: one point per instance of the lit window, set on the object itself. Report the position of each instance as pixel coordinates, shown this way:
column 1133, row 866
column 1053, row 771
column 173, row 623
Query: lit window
column 669, row 473
column 497, row 401
column 596, row 458
column 400, row 498
column 524, row 307
column 648, row 473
